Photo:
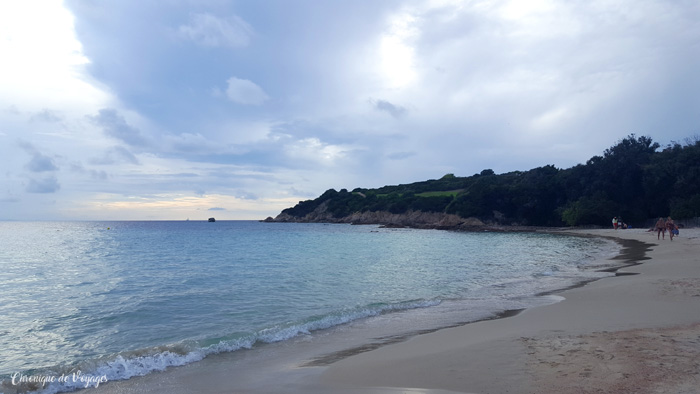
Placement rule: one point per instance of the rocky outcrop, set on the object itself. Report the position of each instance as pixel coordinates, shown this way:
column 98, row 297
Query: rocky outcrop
column 411, row 219
column 416, row 219
column 318, row 215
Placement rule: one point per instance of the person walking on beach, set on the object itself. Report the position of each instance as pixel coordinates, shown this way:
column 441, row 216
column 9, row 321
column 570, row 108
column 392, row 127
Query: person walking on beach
column 660, row 228
column 615, row 222
column 671, row 227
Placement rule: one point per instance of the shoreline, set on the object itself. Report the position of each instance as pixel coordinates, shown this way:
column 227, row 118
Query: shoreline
column 628, row 333
column 431, row 361
column 251, row 372
column 631, row 253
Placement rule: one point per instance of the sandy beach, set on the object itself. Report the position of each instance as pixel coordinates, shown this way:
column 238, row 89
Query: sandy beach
column 637, row 332
column 626, row 334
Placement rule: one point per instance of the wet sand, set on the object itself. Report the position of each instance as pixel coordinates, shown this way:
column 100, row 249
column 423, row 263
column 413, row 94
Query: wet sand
column 638, row 332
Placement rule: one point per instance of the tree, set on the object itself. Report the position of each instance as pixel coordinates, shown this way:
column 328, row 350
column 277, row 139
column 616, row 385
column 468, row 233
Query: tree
column 631, row 179
column 596, row 210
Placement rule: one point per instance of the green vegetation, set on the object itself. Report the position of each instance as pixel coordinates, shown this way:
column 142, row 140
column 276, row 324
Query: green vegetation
column 634, row 179
column 450, row 193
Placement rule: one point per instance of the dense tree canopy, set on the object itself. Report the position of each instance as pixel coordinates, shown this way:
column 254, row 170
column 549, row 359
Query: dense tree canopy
column 634, row 179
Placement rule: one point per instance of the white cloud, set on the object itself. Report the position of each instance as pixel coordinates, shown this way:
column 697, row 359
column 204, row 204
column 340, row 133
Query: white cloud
column 243, row 91
column 315, row 150
column 46, row 116
column 423, row 89
column 43, row 63
column 397, row 54
column 211, row 31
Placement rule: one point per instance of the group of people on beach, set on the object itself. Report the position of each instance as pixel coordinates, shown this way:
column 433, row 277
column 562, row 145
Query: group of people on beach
column 663, row 225
column 618, row 223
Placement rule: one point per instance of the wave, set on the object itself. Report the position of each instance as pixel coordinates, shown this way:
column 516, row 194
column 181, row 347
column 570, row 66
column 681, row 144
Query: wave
column 126, row 365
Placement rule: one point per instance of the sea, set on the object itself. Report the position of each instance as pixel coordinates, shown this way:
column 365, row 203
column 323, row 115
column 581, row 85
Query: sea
column 110, row 301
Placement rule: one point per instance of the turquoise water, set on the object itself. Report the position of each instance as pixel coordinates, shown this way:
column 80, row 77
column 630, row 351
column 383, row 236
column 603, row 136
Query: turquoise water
column 122, row 299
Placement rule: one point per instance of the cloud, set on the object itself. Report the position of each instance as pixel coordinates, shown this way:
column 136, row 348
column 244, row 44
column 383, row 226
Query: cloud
column 43, row 62
column 314, row 150
column 243, row 91
column 394, row 110
column 45, row 185
column 306, row 101
column 189, row 143
column 11, row 110
column 99, row 175
column 211, row 31
column 244, row 195
column 45, row 115
column 115, row 155
column 216, row 209
column 41, row 163
column 397, row 52
column 121, row 153
column 114, row 125
column 401, row 155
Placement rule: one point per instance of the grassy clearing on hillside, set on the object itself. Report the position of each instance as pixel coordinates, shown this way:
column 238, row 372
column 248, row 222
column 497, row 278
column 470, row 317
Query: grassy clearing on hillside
column 450, row 193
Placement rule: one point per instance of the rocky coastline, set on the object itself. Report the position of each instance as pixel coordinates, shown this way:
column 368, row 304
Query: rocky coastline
column 409, row 219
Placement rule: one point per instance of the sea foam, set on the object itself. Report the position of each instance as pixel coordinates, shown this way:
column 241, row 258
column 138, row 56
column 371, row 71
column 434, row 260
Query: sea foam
column 139, row 363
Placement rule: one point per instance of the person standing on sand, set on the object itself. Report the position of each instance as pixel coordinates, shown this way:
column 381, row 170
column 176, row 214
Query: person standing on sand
column 615, row 222
column 660, row 228
column 671, row 227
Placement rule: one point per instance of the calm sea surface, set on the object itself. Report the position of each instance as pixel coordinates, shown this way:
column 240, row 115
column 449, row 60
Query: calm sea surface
column 123, row 299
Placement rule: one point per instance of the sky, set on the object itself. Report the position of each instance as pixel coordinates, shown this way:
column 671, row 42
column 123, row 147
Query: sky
column 177, row 109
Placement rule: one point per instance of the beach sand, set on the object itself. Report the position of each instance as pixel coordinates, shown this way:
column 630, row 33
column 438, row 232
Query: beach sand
column 638, row 332
column 624, row 334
